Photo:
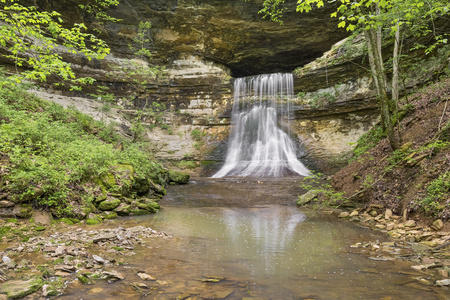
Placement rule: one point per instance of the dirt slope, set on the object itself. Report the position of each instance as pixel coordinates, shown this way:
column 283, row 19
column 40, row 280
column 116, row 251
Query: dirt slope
column 402, row 180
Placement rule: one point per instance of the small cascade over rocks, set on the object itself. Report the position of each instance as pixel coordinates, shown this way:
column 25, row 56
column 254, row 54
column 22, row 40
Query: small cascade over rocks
column 258, row 147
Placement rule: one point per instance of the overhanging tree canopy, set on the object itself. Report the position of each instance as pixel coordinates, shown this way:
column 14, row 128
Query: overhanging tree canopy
column 411, row 17
column 35, row 39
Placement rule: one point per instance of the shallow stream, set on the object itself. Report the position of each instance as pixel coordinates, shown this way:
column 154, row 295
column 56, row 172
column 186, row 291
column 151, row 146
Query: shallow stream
column 244, row 238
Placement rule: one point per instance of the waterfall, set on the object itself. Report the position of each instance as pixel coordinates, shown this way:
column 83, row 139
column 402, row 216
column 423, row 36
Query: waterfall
column 258, row 147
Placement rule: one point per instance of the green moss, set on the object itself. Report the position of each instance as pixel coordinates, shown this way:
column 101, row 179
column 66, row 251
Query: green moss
column 100, row 198
column 178, row 177
column 83, row 279
column 58, row 261
column 108, row 179
column 123, row 209
column 66, row 221
column 109, row 204
column 93, row 220
column 207, row 163
column 139, row 212
column 40, row 228
column 117, row 248
column 109, row 215
column 17, row 289
column 12, row 220
column 4, row 230
column 187, row 164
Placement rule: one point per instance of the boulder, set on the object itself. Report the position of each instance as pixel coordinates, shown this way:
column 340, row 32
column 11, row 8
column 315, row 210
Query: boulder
column 141, row 186
column 93, row 219
column 159, row 189
column 307, row 197
column 109, row 204
column 107, row 179
column 123, row 209
column 42, row 217
column 437, row 225
column 178, row 177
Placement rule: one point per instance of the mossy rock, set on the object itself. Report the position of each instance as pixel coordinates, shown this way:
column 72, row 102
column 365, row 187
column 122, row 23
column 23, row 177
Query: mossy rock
column 100, row 199
column 83, row 279
column 155, row 205
column 159, row 177
column 146, row 207
column 124, row 168
column 123, row 209
column 307, row 197
column 109, row 204
column 23, row 211
column 139, row 212
column 4, row 230
column 141, row 186
column 66, row 221
column 178, row 177
column 93, row 219
column 109, row 215
column 159, row 189
column 87, row 209
column 40, row 228
column 17, row 289
column 107, row 179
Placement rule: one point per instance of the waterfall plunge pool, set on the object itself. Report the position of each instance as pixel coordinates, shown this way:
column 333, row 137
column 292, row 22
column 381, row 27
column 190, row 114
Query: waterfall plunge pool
column 249, row 236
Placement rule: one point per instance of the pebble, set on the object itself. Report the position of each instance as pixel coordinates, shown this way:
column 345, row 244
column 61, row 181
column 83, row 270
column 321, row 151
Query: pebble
column 410, row 223
column 443, row 282
column 112, row 275
column 344, row 214
column 98, row 259
column 354, row 213
column 388, row 214
column 145, row 276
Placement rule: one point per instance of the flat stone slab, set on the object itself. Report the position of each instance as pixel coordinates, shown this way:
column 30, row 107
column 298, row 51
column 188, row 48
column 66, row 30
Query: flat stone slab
column 17, row 289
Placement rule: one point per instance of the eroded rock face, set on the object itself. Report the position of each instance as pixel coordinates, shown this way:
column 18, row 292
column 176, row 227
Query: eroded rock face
column 229, row 33
column 203, row 45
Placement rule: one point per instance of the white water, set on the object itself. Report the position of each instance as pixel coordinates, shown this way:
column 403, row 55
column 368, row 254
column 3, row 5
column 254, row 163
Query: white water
column 258, row 147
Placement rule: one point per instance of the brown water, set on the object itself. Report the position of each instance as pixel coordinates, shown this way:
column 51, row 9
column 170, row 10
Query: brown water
column 250, row 236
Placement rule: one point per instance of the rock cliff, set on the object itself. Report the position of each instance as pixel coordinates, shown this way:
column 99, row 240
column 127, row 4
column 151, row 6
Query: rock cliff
column 204, row 44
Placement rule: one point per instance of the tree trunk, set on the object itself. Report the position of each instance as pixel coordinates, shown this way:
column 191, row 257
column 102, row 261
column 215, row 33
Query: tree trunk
column 395, row 71
column 380, row 82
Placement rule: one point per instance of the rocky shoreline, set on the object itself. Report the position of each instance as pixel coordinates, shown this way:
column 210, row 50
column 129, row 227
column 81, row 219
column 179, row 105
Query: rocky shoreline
column 427, row 247
column 47, row 260
column 44, row 260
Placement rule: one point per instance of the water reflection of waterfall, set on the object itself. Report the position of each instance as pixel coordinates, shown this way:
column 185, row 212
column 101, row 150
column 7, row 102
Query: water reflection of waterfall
column 263, row 236
column 257, row 146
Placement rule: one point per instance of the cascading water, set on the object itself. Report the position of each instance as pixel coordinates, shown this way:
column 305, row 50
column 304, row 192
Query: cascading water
column 258, row 147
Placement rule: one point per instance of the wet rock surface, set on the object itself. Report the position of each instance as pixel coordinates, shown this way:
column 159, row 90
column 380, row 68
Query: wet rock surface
column 46, row 263
column 426, row 247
